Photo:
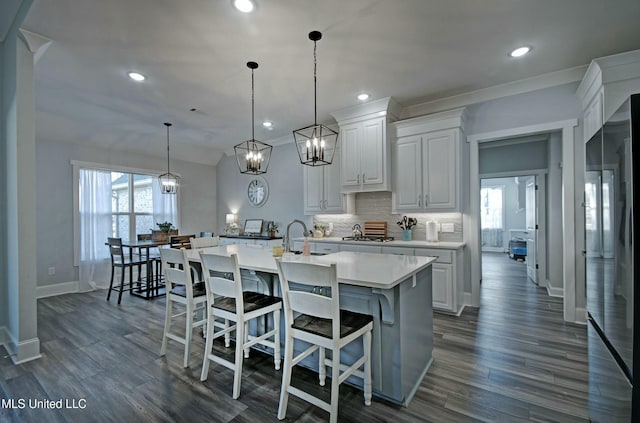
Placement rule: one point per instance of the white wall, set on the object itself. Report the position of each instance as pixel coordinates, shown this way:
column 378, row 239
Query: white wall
column 554, row 203
column 54, row 218
column 4, row 63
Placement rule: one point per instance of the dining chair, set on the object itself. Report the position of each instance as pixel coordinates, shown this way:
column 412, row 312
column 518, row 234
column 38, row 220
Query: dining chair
column 204, row 242
column 181, row 290
column 180, row 241
column 227, row 300
column 310, row 295
column 124, row 262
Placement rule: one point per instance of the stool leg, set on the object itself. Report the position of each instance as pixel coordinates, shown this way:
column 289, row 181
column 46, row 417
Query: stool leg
column 276, row 339
column 113, row 271
column 187, row 335
column 208, row 344
column 246, row 339
column 367, row 368
column 322, row 369
column 286, row 377
column 335, row 385
column 237, row 377
column 121, row 284
column 227, row 335
column 167, row 325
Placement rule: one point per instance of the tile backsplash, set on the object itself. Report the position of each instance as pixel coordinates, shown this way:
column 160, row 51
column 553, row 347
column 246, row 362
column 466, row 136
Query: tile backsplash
column 376, row 206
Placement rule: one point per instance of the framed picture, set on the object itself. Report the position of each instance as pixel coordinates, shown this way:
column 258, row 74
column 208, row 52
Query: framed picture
column 253, row 227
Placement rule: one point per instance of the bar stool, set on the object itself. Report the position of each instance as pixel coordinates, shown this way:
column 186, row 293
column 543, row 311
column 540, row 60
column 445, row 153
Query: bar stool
column 226, row 300
column 120, row 260
column 315, row 317
column 181, row 290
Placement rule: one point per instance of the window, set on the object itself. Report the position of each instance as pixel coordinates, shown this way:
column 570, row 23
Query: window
column 491, row 208
column 115, row 202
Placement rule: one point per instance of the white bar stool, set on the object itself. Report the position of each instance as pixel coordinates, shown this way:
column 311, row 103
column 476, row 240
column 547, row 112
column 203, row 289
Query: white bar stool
column 180, row 289
column 226, row 300
column 316, row 318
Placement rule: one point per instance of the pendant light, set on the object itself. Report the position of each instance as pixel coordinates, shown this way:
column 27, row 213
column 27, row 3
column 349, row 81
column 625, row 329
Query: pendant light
column 253, row 156
column 316, row 144
column 169, row 182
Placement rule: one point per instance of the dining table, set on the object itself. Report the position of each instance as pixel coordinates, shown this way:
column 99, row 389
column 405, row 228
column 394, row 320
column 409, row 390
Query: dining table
column 394, row 289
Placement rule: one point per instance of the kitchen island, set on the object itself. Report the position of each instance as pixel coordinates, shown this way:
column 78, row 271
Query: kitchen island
column 394, row 289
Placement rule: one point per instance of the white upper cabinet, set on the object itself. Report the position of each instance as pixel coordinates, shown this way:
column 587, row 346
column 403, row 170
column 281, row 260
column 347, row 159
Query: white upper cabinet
column 322, row 189
column 426, row 163
column 606, row 84
column 365, row 150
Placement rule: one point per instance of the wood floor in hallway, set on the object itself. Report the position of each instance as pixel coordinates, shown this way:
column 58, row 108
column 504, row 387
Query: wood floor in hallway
column 512, row 360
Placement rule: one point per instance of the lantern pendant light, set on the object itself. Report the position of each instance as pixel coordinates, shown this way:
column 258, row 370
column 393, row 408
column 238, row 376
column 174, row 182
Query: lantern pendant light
column 253, row 156
column 169, row 182
column 316, row 143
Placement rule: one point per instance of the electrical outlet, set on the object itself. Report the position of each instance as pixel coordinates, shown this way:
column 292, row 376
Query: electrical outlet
column 447, row 227
column 52, row 271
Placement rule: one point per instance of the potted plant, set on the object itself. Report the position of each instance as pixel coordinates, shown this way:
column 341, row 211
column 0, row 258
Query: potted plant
column 273, row 229
column 166, row 229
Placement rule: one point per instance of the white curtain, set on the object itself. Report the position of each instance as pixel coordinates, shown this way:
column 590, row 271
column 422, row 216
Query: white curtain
column 95, row 228
column 165, row 206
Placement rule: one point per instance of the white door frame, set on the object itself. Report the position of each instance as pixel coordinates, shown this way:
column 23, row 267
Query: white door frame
column 473, row 235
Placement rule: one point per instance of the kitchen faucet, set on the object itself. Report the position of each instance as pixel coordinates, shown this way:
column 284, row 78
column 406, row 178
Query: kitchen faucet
column 287, row 239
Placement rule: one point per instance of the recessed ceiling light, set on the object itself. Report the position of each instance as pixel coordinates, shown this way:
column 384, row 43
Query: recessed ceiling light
column 520, row 51
column 137, row 76
column 245, row 6
column 267, row 124
column 363, row 97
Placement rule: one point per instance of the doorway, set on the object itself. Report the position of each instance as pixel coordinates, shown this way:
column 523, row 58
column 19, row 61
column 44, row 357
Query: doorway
column 512, row 219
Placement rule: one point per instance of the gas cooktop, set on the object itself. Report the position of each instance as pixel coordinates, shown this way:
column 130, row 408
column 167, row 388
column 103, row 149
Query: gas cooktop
column 368, row 238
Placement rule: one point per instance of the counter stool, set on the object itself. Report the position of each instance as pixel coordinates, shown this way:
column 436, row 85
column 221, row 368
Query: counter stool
column 122, row 261
column 226, row 300
column 315, row 317
column 180, row 289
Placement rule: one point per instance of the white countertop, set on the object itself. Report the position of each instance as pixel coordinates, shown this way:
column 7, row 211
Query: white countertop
column 383, row 271
column 446, row 245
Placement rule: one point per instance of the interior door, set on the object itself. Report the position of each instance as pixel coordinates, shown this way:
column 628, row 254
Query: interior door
column 531, row 218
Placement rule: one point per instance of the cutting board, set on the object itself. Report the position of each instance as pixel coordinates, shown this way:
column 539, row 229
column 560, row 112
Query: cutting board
column 375, row 229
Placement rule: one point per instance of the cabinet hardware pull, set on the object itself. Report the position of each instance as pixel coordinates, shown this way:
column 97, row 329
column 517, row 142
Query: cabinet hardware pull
column 425, row 200
column 363, row 179
column 419, row 201
column 358, row 178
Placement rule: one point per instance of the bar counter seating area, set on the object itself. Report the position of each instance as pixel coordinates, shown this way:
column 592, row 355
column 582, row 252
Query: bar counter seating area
column 342, row 315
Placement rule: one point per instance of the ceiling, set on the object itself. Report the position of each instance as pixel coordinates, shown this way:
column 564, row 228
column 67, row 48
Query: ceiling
column 194, row 55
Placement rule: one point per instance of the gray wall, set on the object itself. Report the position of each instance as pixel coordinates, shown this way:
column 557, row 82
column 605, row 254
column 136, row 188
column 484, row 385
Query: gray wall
column 55, row 200
column 285, row 202
column 495, row 157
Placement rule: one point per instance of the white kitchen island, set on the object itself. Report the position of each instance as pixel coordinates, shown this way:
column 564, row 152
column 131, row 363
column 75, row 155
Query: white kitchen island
column 394, row 289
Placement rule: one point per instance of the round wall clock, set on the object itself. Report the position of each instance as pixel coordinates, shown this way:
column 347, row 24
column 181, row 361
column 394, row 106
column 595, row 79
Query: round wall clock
column 257, row 191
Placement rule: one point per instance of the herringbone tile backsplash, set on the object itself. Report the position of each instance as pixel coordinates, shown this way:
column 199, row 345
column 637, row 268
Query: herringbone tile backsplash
column 376, row 206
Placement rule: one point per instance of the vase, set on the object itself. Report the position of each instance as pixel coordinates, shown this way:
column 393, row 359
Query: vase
column 406, row 234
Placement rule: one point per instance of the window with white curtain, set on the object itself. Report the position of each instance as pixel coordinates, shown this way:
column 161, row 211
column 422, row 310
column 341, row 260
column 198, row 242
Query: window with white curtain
column 120, row 203
column 492, row 207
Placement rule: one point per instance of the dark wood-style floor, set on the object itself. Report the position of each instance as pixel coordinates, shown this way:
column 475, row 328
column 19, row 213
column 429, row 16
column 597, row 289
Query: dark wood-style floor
column 512, row 360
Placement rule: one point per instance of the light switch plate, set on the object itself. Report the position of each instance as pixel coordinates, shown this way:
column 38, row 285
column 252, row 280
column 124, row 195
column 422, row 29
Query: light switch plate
column 447, row 227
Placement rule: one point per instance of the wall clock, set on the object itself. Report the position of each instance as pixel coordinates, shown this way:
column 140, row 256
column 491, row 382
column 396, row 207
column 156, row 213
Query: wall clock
column 257, row 191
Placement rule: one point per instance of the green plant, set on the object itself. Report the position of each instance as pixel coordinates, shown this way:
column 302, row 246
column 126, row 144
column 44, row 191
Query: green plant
column 273, row 227
column 165, row 226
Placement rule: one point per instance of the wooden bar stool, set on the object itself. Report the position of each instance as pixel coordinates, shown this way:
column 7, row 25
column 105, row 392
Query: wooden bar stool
column 181, row 290
column 315, row 317
column 226, row 300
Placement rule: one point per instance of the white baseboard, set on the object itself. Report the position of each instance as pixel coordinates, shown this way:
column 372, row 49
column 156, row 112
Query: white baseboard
column 553, row 291
column 57, row 289
column 20, row 352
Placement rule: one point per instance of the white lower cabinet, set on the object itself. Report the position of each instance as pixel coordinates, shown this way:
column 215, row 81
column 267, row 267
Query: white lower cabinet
column 442, row 285
column 361, row 248
column 447, row 278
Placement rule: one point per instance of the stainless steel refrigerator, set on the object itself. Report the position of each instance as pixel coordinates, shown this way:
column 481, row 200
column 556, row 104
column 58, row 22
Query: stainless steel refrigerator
column 613, row 298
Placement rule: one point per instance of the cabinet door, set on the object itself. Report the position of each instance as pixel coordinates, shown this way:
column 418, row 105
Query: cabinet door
column 313, row 195
column 408, row 173
column 442, row 286
column 439, row 168
column 372, row 151
column 333, row 198
column 350, row 158
column 360, row 248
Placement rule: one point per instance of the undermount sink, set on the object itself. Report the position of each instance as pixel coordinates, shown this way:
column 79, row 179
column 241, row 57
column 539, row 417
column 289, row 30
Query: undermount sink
column 298, row 252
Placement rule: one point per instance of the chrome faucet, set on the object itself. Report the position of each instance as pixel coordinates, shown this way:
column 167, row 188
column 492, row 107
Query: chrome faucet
column 287, row 238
